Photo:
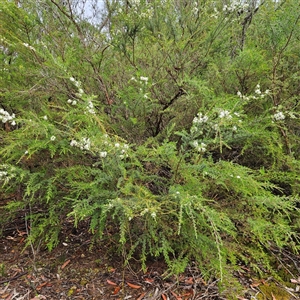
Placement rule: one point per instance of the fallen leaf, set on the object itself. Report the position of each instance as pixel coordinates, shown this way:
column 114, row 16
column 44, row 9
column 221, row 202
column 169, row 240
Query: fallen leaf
column 164, row 297
column 188, row 294
column 65, row 264
column 149, row 280
column 41, row 285
column 110, row 282
column 141, row 296
column 176, row 296
column 133, row 285
column 189, row 281
column 117, row 290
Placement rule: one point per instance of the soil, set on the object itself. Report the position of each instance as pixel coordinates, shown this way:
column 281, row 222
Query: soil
column 75, row 270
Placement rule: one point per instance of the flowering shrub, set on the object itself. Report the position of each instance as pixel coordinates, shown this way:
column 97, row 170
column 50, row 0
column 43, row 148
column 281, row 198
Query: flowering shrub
column 156, row 126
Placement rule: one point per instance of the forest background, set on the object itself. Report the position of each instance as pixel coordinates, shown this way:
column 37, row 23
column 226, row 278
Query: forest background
column 172, row 125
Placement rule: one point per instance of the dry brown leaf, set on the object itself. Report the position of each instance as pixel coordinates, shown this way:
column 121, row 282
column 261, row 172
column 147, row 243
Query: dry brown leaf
column 65, row 264
column 149, row 280
column 189, row 280
column 133, row 286
column 176, row 296
column 117, row 290
column 41, row 285
column 164, row 297
column 111, row 282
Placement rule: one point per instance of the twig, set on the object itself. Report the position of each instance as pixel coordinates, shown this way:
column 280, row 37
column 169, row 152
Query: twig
column 13, row 278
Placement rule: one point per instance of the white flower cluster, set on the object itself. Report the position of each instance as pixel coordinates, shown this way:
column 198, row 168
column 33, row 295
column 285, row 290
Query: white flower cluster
column 123, row 149
column 235, row 5
column 216, row 13
column 72, row 102
column 7, row 172
column 225, row 114
column 90, row 108
column 144, row 79
column 278, row 116
column 78, row 85
column 200, row 119
column 258, row 94
column 199, row 148
column 83, row 144
column 6, row 117
column 28, row 46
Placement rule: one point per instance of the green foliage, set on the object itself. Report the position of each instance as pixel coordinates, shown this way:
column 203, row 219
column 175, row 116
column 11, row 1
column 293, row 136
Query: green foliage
column 171, row 129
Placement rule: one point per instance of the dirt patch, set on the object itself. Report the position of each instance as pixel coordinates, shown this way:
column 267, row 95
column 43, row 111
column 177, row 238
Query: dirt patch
column 78, row 269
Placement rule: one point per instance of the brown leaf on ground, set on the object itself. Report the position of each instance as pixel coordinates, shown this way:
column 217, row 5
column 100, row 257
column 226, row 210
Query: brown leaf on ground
column 65, row 264
column 110, row 282
column 133, row 286
column 164, row 297
column 117, row 290
column 176, row 296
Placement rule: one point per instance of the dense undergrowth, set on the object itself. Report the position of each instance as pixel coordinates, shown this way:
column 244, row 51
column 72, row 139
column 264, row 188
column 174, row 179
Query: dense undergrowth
column 173, row 124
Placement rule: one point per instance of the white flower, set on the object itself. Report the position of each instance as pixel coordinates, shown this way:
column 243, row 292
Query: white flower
column 142, row 78
column 90, row 108
column 45, row 117
column 74, row 102
column 200, row 119
column 73, row 143
column 72, row 79
column 103, row 154
column 80, row 91
column 3, row 173
column 153, row 215
column 117, row 145
column 238, row 177
column 26, row 152
column 28, row 46
column 13, row 123
column 202, row 147
column 53, row 138
column 234, row 128
column 70, row 101
column 225, row 114
column 279, row 116
column 239, row 94
column 195, row 144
